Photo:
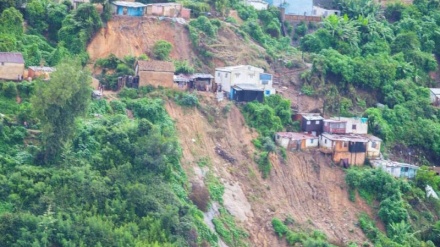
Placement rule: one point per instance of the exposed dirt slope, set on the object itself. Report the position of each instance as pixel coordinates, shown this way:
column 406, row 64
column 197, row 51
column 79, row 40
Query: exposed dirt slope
column 306, row 187
column 125, row 35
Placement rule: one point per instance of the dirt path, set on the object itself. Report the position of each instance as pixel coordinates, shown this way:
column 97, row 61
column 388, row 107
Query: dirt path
column 306, row 187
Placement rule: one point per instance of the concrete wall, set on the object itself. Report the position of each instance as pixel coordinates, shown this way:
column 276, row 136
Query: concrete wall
column 185, row 13
column 373, row 152
column 318, row 11
column 325, row 143
column 311, row 143
column 298, row 18
column 245, row 74
column 11, row 71
column 353, row 158
column 164, row 79
column 360, row 128
column 282, row 141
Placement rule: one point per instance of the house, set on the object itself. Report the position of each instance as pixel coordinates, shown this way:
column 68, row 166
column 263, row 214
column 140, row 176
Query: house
column 128, row 8
column 397, row 169
column 355, row 125
column 40, row 72
column 156, row 73
column 347, row 149
column 227, row 77
column 435, row 96
column 257, row 4
column 296, row 141
column 334, row 126
column 11, row 66
column 311, row 123
column 373, row 146
column 344, row 125
column 198, row 81
column 247, row 93
column 319, row 11
column 168, row 10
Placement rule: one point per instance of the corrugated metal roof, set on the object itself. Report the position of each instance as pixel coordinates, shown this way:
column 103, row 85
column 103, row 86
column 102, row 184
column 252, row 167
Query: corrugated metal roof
column 159, row 66
column 42, row 69
column 345, row 137
column 201, row 75
column 165, row 4
column 312, row 116
column 296, row 136
column 250, row 87
column 11, row 57
column 390, row 163
column 128, row 4
column 435, row 91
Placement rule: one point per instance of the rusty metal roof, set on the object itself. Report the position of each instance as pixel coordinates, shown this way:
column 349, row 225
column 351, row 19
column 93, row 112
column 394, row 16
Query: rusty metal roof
column 11, row 57
column 296, row 136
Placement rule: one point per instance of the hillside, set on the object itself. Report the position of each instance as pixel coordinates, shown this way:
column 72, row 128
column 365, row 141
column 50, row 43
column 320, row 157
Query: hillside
column 136, row 35
column 306, row 187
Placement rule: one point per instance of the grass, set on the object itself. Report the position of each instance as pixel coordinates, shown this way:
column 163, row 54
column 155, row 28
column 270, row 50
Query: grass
column 231, row 234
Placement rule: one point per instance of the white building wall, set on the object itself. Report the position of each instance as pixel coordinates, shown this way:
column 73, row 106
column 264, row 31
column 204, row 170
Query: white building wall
column 325, row 143
column 361, row 128
column 224, row 79
column 312, row 143
column 373, row 152
column 244, row 74
column 282, row 141
column 318, row 11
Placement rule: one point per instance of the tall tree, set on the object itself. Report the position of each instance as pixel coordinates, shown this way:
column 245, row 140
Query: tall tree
column 58, row 102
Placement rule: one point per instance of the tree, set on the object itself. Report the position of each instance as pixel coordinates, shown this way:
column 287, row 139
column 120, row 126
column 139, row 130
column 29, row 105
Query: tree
column 11, row 22
column 162, row 49
column 58, row 102
column 36, row 15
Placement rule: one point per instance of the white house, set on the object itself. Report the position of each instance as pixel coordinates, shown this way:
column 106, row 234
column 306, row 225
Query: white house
column 354, row 125
column 435, row 95
column 296, row 141
column 318, row 11
column 397, row 169
column 257, row 4
column 230, row 76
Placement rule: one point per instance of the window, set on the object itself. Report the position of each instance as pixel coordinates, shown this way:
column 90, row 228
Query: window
column 226, row 75
column 3, row 63
column 316, row 122
column 404, row 169
column 353, row 126
column 308, row 122
column 344, row 144
column 311, row 141
column 373, row 144
column 325, row 141
column 218, row 73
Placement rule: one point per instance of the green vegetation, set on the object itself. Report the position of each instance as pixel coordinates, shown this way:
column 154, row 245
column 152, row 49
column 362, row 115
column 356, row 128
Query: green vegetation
column 267, row 118
column 315, row 238
column 390, row 57
column 400, row 205
column 162, row 49
column 117, row 181
column 58, row 103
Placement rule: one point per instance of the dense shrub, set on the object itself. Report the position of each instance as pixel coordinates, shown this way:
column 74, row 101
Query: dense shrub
column 162, row 49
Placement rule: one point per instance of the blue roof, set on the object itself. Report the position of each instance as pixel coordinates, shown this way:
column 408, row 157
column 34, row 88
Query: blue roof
column 128, row 4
